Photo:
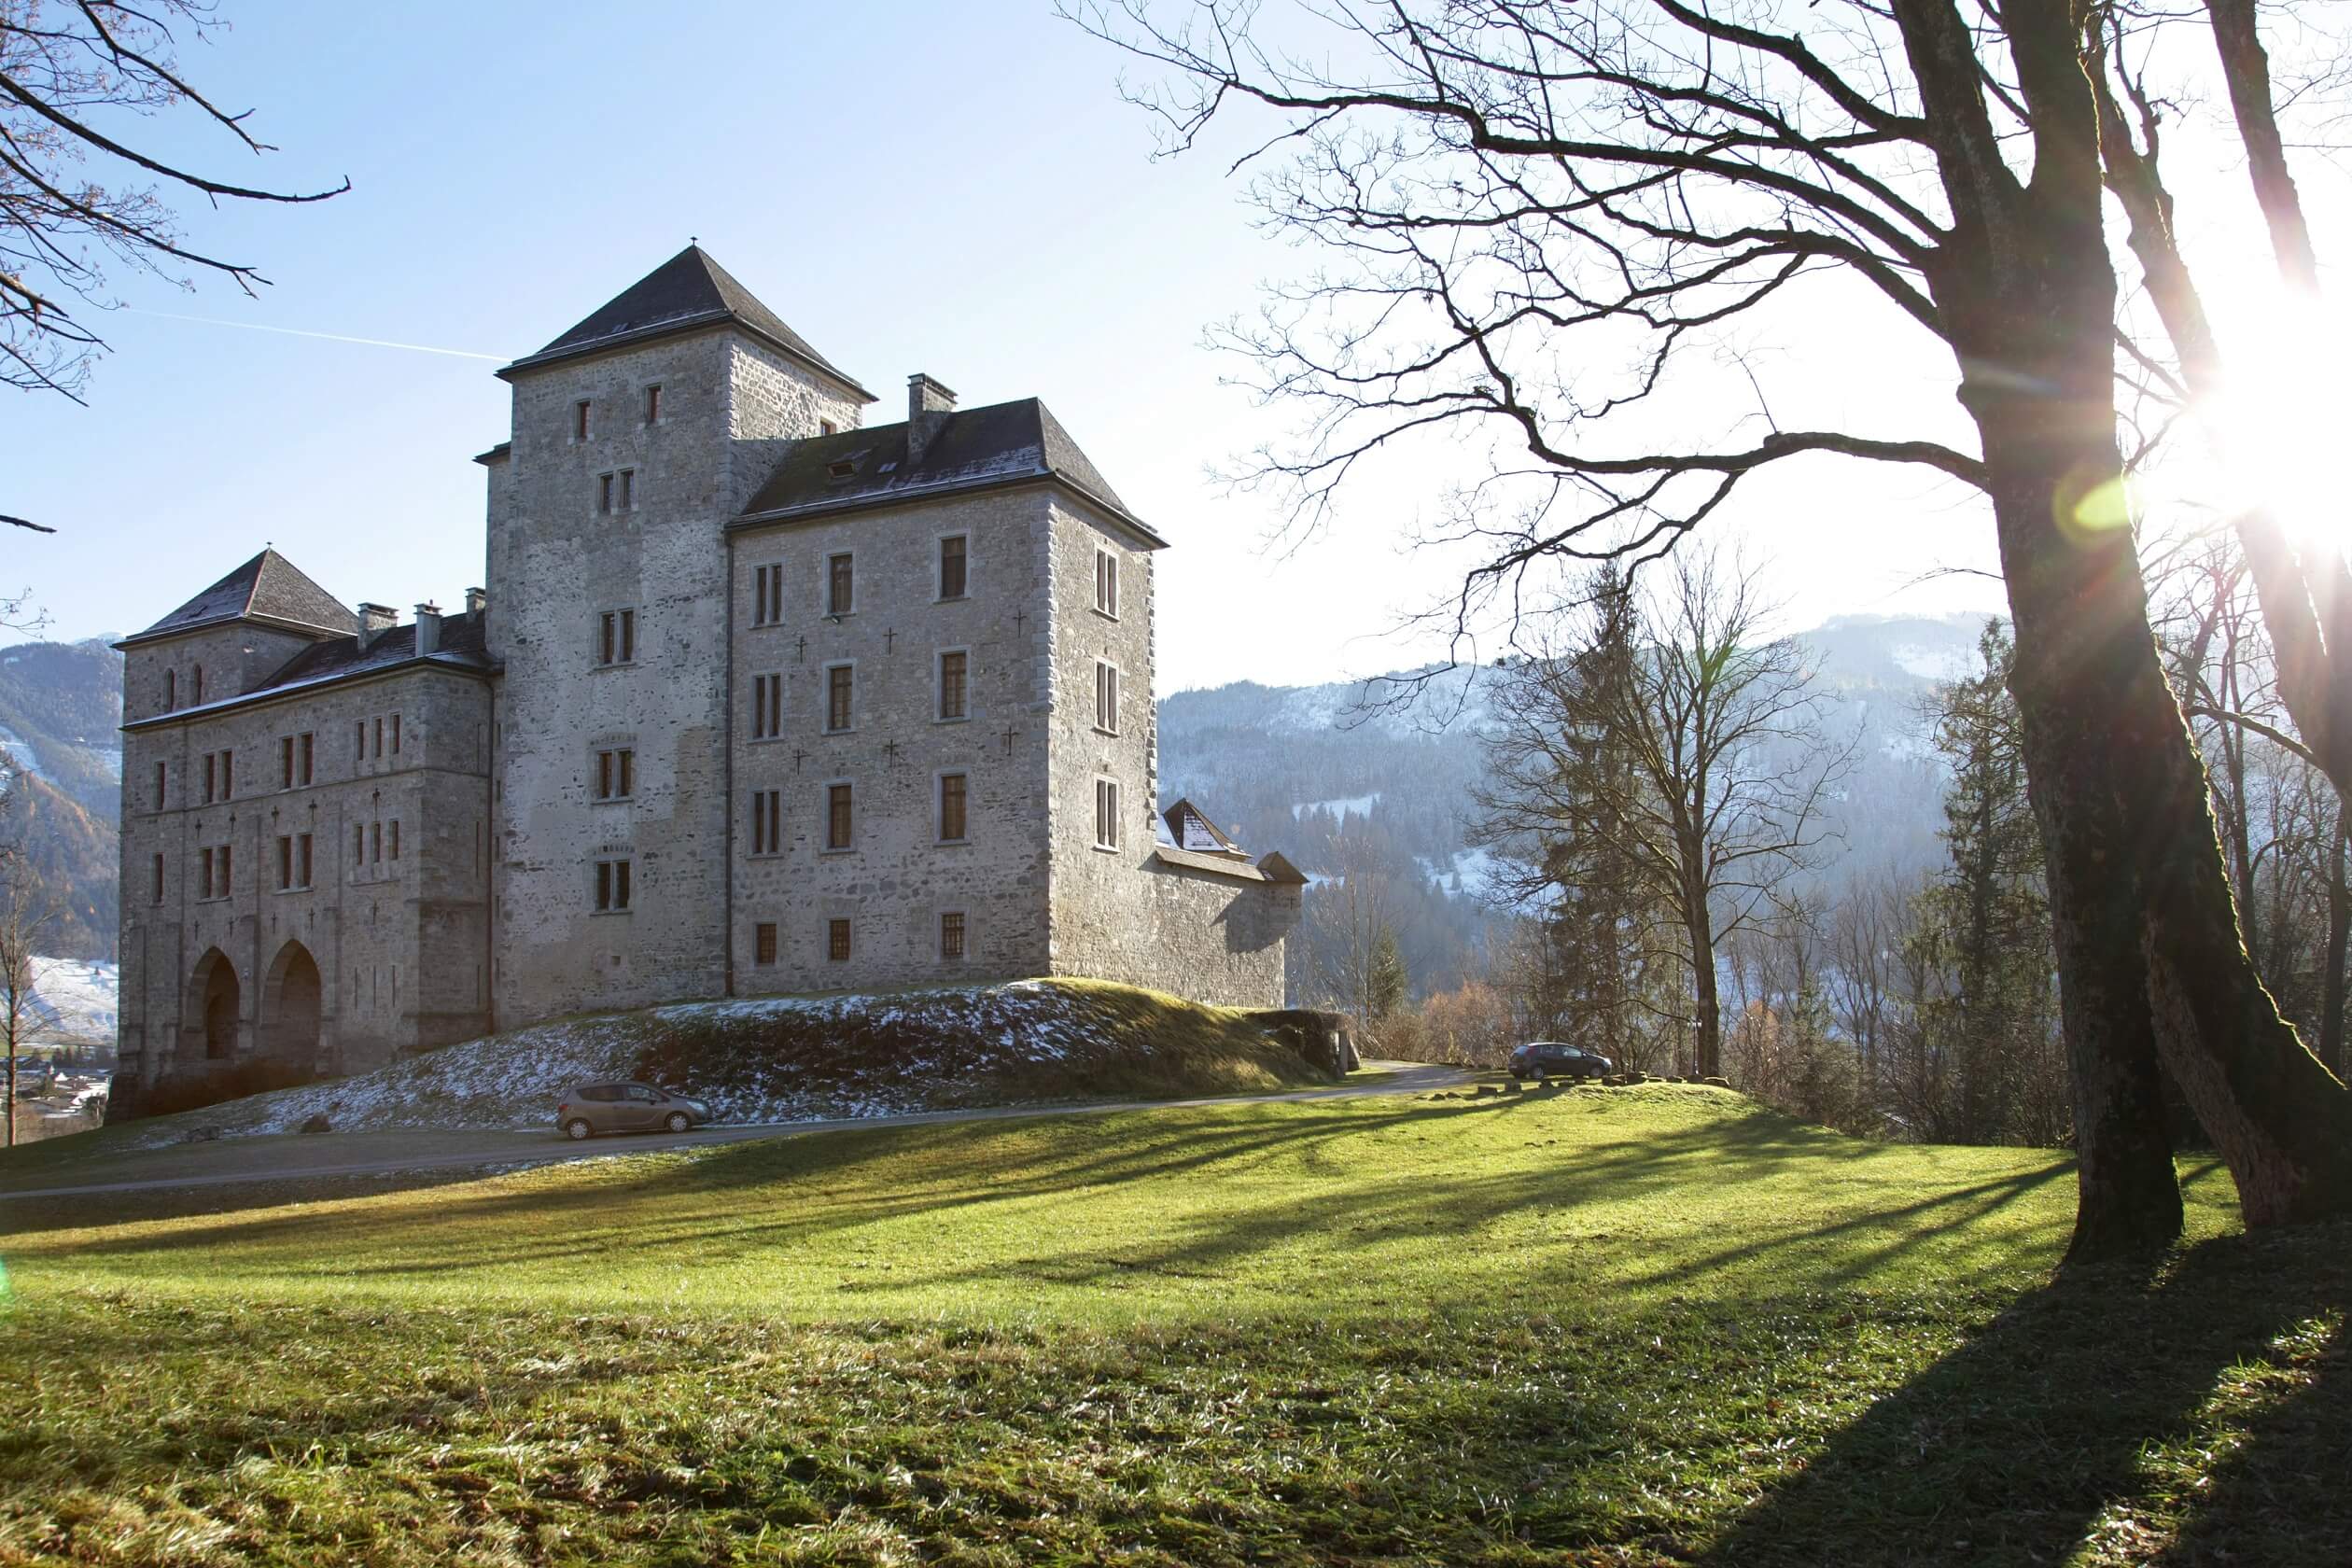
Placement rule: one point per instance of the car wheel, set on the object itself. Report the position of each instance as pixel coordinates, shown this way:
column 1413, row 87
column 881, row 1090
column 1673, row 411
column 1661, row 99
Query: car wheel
column 577, row 1129
column 678, row 1121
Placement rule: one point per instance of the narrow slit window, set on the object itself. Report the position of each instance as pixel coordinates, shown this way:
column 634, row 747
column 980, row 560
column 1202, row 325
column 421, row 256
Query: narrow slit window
column 839, row 696
column 628, row 490
column 839, row 820
column 951, row 567
column 1106, row 583
column 653, row 404
column 1106, row 697
column 953, row 666
column 951, row 808
column 767, row 821
column 1106, row 813
column 604, row 493
column 841, row 585
column 580, row 420
column 162, row 777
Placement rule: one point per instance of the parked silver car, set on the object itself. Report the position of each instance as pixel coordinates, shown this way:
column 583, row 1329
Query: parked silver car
column 593, row 1108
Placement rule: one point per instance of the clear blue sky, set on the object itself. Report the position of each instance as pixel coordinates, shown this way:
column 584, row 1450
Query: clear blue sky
column 953, row 189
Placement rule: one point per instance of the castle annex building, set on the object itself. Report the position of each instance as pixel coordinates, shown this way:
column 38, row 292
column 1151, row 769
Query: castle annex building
column 758, row 699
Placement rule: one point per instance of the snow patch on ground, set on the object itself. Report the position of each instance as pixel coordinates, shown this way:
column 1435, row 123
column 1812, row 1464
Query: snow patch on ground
column 1933, row 664
column 74, row 1000
column 841, row 1057
column 1350, row 805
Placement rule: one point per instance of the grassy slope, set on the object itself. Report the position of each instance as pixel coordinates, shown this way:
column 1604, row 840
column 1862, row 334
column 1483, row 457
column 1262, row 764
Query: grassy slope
column 798, row 1058
column 1591, row 1326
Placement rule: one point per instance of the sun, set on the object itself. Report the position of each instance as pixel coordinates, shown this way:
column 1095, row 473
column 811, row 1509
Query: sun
column 2282, row 428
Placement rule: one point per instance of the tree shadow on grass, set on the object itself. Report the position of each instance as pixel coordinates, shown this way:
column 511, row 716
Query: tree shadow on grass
column 2096, row 1415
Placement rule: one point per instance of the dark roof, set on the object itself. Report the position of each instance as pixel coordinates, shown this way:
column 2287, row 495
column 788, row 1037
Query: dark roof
column 687, row 292
column 971, row 448
column 461, row 643
column 1219, row 865
column 1189, row 828
column 269, row 587
column 462, row 647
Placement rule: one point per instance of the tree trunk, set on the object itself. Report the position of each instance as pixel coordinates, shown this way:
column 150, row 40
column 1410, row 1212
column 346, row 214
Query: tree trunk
column 2339, row 929
column 1702, row 977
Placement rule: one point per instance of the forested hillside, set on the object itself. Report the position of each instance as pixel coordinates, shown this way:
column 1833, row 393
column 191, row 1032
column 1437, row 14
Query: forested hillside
column 60, row 704
column 1380, row 775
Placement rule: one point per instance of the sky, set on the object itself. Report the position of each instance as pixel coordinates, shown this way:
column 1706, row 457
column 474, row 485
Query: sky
column 953, row 188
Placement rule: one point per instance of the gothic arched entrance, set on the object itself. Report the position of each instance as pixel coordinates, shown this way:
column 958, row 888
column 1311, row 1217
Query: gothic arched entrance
column 215, row 990
column 290, row 1008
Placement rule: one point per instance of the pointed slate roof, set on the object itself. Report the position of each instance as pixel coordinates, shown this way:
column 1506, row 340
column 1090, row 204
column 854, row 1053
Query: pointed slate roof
column 270, row 588
column 972, row 449
column 688, row 292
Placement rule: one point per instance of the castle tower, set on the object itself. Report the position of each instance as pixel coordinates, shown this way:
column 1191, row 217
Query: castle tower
column 636, row 436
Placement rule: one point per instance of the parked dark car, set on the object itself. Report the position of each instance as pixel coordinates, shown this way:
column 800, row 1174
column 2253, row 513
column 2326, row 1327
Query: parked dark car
column 1540, row 1059
column 594, row 1107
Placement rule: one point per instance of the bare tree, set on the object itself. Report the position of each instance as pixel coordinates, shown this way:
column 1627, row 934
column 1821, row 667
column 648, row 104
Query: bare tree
column 70, row 70
column 1669, row 723
column 1512, row 190
column 27, row 920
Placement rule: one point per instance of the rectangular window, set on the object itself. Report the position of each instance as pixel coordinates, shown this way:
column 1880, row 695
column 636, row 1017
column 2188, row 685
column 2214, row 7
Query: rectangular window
column 838, row 941
column 1106, row 698
column 951, row 934
column 360, row 740
column 767, row 707
column 161, row 777
column 763, row 943
column 840, row 585
column 286, row 762
column 170, row 690
column 209, row 763
column 358, row 843
column 305, row 750
column 838, row 822
column 612, row 887
column 653, row 405
column 379, row 737
column 951, row 567
column 628, row 490
column 580, row 420
column 203, row 874
column 951, row 808
column 302, row 856
column 827, row 427
column 616, row 637
column 396, row 735
column 952, row 665
column 604, row 493
column 198, row 695
column 767, row 821
column 1106, row 813
column 375, row 843
column 393, row 845
column 227, row 775
column 839, row 682
column 159, row 879
column 616, row 773
column 285, row 863
column 1106, row 583
column 228, row 880
column 767, row 594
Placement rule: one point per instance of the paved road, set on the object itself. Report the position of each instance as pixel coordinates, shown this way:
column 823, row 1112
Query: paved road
column 507, row 1150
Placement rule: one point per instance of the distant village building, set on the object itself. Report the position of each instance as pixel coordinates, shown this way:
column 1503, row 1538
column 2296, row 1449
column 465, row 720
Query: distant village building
column 759, row 699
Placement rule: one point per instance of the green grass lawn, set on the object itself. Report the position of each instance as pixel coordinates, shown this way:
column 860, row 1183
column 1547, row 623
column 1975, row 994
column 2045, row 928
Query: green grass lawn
column 1634, row 1326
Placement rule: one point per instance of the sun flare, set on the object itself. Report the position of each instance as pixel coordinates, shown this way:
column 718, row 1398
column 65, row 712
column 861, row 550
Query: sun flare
column 2282, row 431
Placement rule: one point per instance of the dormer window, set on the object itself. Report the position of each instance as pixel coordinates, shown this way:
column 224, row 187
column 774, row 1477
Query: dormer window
column 843, row 468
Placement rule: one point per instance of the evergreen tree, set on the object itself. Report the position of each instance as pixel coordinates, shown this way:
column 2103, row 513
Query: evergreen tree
column 1388, row 983
column 1992, row 1029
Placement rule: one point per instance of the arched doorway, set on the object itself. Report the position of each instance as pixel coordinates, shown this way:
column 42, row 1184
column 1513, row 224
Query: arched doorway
column 213, row 988
column 289, row 1008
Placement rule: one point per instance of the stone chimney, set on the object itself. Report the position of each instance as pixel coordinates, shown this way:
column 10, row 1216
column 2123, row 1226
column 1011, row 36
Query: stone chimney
column 374, row 620
column 476, row 600
column 428, row 628
column 927, row 406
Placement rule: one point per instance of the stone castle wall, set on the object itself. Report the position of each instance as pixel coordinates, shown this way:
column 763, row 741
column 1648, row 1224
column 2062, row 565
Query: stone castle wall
column 400, row 945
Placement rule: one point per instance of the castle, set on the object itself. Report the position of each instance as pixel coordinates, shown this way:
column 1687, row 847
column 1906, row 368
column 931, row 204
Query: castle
column 758, row 699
